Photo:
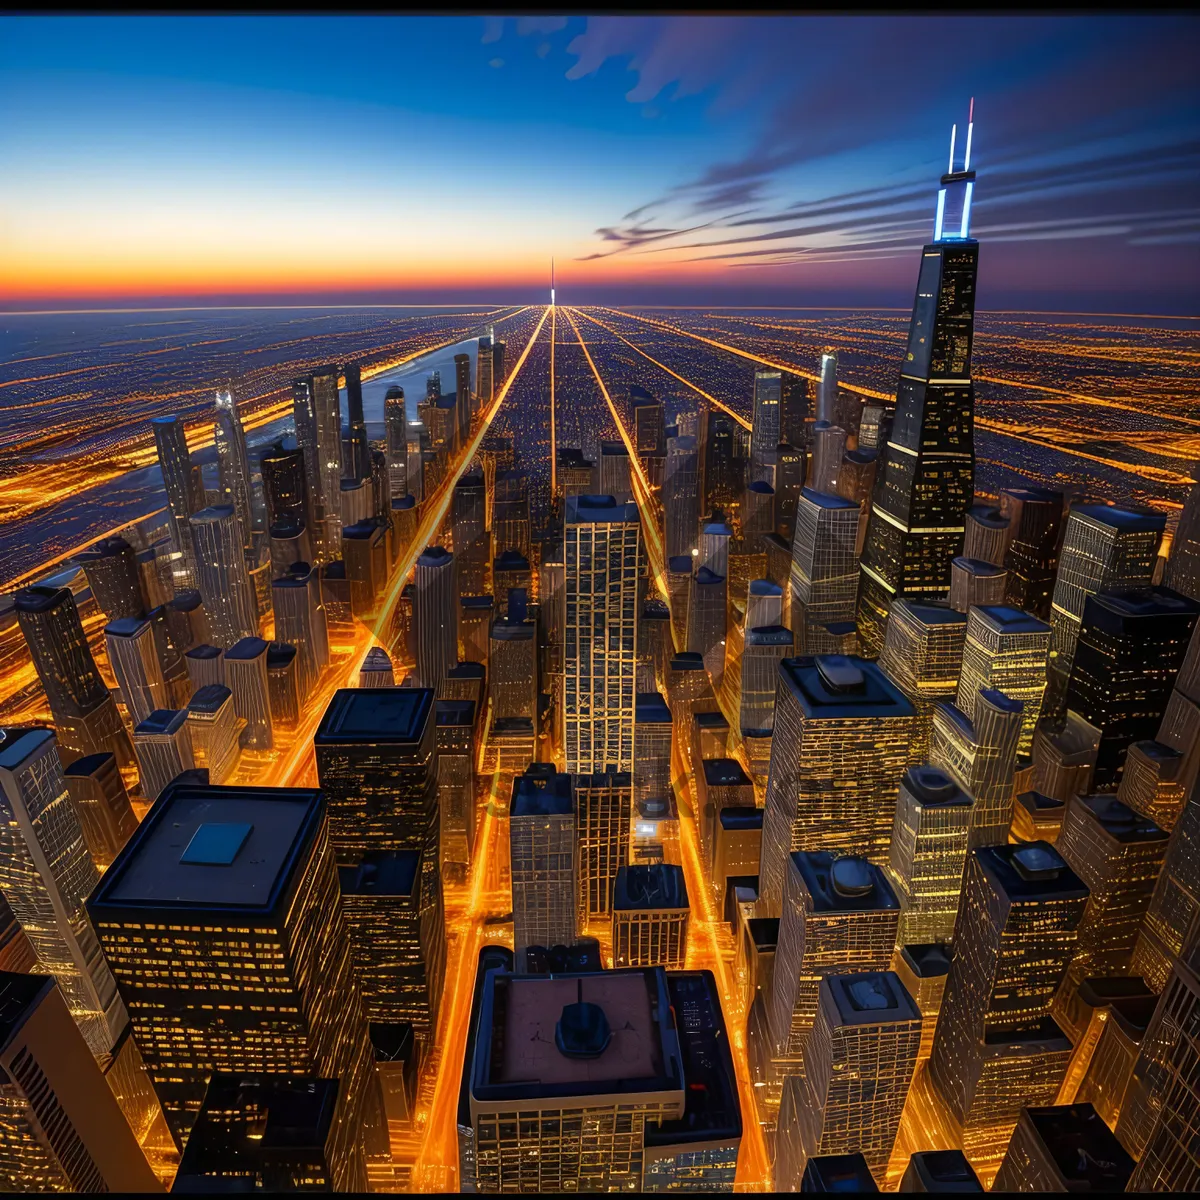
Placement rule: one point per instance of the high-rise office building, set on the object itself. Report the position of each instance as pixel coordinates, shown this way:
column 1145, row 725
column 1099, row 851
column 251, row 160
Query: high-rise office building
column 922, row 656
column 827, row 386
column 615, row 472
column 85, row 717
column 205, row 866
column 434, row 615
column 603, row 809
column 1182, row 573
column 184, row 497
column 233, row 466
column 790, row 477
column 285, row 486
column 650, row 914
column 679, row 592
column 1172, row 921
column 471, row 545
column 134, row 659
column 652, row 742
column 46, row 874
column 365, row 553
column 939, row 1171
column 1005, row 650
column 1130, row 648
column 1119, row 855
column 706, row 621
column 602, row 543
column 301, row 621
column 1151, row 782
column 721, row 465
column 215, row 730
column 974, row 581
column 395, row 420
column 499, row 362
column 542, row 850
column 326, row 450
column 102, row 805
column 997, row 1049
column 765, row 426
column 986, row 536
column 246, row 677
column 981, row 757
column 858, row 1064
column 376, row 670
column 824, row 576
column 163, row 745
column 1064, row 1148
column 839, row 750
column 829, row 449
column 205, row 665
column 511, row 528
column 1035, row 517
column 928, row 853
column 1105, row 549
column 655, row 645
column 462, row 387
column 357, row 466
column 649, row 433
column 653, row 1130
column 512, row 669
column 510, row 570
column 765, row 647
column 484, row 374
column 222, row 577
column 111, row 568
column 856, row 482
column 679, row 493
column 63, row 1128
column 926, row 480
column 794, row 412
column 283, row 685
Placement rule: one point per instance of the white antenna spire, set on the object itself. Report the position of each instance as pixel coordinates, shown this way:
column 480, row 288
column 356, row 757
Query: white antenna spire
column 551, row 281
column 970, row 128
column 953, row 131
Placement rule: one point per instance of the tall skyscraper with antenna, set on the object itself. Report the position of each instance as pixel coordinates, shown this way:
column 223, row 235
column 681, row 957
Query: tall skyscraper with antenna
column 918, row 510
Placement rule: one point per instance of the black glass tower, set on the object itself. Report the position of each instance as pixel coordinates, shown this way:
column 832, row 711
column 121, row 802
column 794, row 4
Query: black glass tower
column 925, row 486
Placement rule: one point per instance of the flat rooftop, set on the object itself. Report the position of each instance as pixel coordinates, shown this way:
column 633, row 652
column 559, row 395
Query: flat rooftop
column 1011, row 620
column 366, row 715
column 542, row 795
column 651, row 709
column 870, row 998
column 262, row 832
column 17, row 743
column 19, row 996
column 837, row 686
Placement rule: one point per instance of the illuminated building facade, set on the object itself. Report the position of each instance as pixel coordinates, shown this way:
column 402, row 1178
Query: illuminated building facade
column 987, row 534
column 163, row 744
column 1005, row 650
column 61, row 1128
column 102, row 804
column 46, row 874
column 926, row 479
column 184, row 496
column 654, row 645
column 542, row 854
column 134, row 659
column 512, row 675
column 601, row 1094
column 764, row 432
column 1129, row 652
column 706, row 621
column 300, row 620
column 1182, row 573
column 765, row 647
column 244, row 877
column 996, row 1048
column 1119, row 855
column 326, row 439
column 652, row 742
column 680, row 503
column 283, row 685
column 246, row 677
column 928, row 853
column 839, row 749
column 365, row 553
column 923, row 968
column 85, row 718
column 981, row 757
column 1151, row 784
column 233, row 466
column 600, row 605
column 603, row 807
column 205, row 666
column 484, row 376
column 824, row 577
column 510, row 514
column 376, row 670
column 1065, row 1148
column 222, row 577
column 215, row 729
column 974, row 581
column 922, row 656
column 395, row 421
column 471, row 544
column 434, row 619
column 111, row 569
column 1105, row 549
column 650, row 914
column 858, row 1064
column 720, row 783
column 1035, row 517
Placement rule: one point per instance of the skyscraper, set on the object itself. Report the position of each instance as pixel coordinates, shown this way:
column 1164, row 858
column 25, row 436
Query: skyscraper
column 471, row 544
column 652, row 741
column 434, row 615
column 163, row 744
column 85, row 717
column 359, row 466
column 996, row 1048
column 1130, row 648
column 285, row 486
column 824, row 576
column 650, row 914
column 1064, row 1148
column 46, row 875
column 858, row 1063
column 827, row 386
column 1005, row 650
column 462, row 387
column 680, row 504
column 510, row 514
column 205, row 665
column 926, row 479
column 794, row 412
column 205, row 865
column 327, row 451
column 63, row 1128
column 102, row 805
column 183, row 496
column 300, row 620
column 365, row 553
column 215, row 730
column 112, row 573
column 304, row 417
column 134, row 660
column 512, row 669
column 1035, row 517
column 706, row 621
column 1182, row 573
column 615, row 472
column 484, row 376
column 928, row 853
column 765, row 426
column 1105, row 549
column 648, row 429
column 233, row 467
column 602, row 543
column 395, row 420
column 283, row 685
column 542, row 850
column 222, row 577
column 603, row 808
column 839, row 750
column 765, row 647
column 246, row 677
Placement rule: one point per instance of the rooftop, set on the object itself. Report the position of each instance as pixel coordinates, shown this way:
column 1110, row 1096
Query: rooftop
column 934, row 788
column 279, row 654
column 688, row 660
column 205, row 651
column 369, row 715
column 725, row 772
column 940, row 1171
column 542, row 796
column 769, row 635
column 20, row 996
column 764, row 932
column 826, row 499
column 680, row 564
column 651, row 709
column 272, row 828
column 653, row 886
column 248, row 648
column 839, row 686
column 1011, row 620
column 591, row 510
column 741, row 816
column 927, row 960
column 844, row 884
column 381, row 873
column 1081, row 1146
column 89, row 764
column 1031, row 872
column 510, row 560
column 209, row 698
column 162, row 721
column 434, row 556
column 186, row 601
column 933, row 612
column 764, row 587
column 1127, row 520
column 18, row 743
column 978, row 566
column 1120, row 822
column 454, row 712
column 126, row 626
column 870, row 997
column 1151, row 603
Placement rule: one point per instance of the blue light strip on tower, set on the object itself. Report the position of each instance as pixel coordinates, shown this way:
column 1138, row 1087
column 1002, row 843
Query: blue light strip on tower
column 966, row 213
column 941, row 212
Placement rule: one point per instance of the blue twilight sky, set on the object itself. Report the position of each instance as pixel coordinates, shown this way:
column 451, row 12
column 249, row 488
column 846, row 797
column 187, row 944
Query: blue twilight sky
column 672, row 159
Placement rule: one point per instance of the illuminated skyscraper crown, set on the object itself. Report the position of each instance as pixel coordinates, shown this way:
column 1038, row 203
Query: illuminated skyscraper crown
column 953, row 221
